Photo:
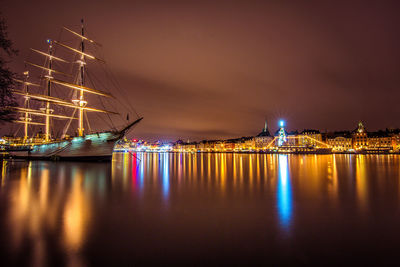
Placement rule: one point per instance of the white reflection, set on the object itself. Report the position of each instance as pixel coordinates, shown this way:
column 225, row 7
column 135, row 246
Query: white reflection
column 165, row 174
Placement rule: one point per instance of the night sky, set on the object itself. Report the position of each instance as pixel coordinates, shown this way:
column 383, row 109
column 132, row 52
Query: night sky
column 217, row 69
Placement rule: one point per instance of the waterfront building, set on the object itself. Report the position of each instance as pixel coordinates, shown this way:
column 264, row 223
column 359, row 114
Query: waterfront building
column 185, row 146
column 395, row 135
column 380, row 141
column 308, row 141
column 315, row 137
column 340, row 141
column 219, row 146
column 245, row 143
column 207, row 145
column 360, row 137
column 228, row 146
column 263, row 139
column 292, row 138
column 371, row 141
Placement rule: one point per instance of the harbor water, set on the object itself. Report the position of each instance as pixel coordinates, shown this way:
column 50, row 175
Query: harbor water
column 201, row 208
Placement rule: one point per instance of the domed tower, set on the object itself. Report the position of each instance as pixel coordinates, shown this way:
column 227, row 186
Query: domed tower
column 263, row 139
column 360, row 138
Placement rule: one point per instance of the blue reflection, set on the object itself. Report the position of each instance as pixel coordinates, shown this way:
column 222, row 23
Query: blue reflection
column 284, row 194
column 165, row 174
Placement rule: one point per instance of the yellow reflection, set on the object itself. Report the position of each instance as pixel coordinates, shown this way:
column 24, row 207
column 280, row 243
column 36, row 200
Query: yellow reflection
column 29, row 214
column 361, row 181
column 3, row 172
column 265, row 166
column 334, row 177
column 234, row 169
column 258, row 169
column 209, row 165
column 201, row 165
column 76, row 214
column 190, row 171
column 44, row 188
column 114, row 167
column 223, row 172
column 195, row 166
column 125, row 177
column 216, row 168
column 241, row 169
column 250, row 170
column 155, row 168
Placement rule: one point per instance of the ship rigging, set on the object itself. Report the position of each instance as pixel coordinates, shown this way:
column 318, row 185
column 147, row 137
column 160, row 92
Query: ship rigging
column 76, row 108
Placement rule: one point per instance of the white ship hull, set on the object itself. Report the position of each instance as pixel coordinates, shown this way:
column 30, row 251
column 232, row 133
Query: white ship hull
column 90, row 147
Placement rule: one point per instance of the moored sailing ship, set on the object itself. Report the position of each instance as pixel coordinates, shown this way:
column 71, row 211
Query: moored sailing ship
column 82, row 144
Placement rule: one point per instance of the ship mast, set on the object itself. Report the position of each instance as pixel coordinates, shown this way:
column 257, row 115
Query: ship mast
column 47, row 110
column 81, row 102
column 26, row 118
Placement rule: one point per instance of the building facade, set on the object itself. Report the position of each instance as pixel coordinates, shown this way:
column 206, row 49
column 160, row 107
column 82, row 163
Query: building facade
column 360, row 137
column 263, row 139
column 310, row 138
column 340, row 141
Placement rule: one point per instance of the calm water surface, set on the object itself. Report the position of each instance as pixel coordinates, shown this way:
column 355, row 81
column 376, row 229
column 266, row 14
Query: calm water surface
column 201, row 208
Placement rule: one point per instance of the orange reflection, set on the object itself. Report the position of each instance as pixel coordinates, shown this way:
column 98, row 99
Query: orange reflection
column 251, row 170
column 334, row 177
column 223, row 172
column 234, row 169
column 3, row 172
column 361, row 181
column 258, row 169
column 241, row 169
column 29, row 213
column 201, row 165
column 76, row 214
column 209, row 165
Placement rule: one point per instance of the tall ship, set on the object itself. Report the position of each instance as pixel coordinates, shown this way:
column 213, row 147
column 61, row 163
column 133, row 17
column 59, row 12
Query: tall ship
column 58, row 110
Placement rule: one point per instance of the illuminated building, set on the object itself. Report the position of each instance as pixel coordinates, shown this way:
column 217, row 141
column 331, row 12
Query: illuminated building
column 262, row 140
column 365, row 141
column 313, row 141
column 395, row 135
column 380, row 141
column 307, row 142
column 206, row 145
column 228, row 146
column 240, row 144
column 340, row 141
column 360, row 138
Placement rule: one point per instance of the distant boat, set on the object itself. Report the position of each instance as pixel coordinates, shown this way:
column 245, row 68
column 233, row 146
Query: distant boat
column 82, row 144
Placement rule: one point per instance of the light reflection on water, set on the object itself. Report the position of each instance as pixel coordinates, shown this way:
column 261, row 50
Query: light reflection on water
column 165, row 173
column 66, row 212
column 284, row 192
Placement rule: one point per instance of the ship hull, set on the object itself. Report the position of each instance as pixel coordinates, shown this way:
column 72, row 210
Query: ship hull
column 92, row 147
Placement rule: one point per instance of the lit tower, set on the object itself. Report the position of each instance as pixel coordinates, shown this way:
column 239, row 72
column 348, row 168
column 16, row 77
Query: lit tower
column 281, row 134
